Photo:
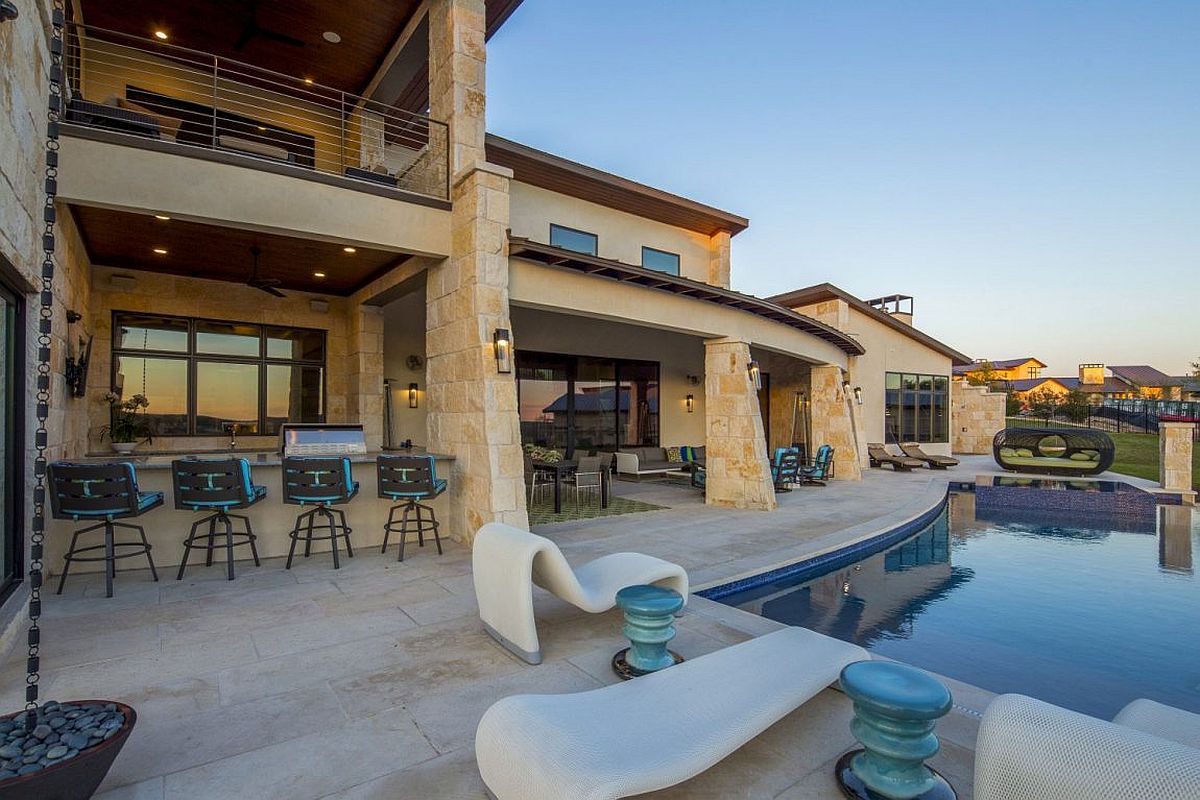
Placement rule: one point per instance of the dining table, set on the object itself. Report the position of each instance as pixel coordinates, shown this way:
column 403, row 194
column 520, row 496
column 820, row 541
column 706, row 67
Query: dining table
column 567, row 467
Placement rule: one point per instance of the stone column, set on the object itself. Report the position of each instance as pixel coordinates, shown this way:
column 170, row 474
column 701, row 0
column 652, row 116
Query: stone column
column 364, row 344
column 719, row 259
column 831, row 422
column 457, row 69
column 738, row 469
column 1175, row 458
column 977, row 414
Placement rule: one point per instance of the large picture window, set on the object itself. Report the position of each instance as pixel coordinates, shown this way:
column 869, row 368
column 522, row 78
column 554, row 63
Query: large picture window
column 587, row 404
column 202, row 376
column 917, row 408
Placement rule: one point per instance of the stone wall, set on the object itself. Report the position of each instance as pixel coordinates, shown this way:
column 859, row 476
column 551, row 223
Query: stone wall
column 1175, row 456
column 833, row 423
column 739, row 471
column 719, row 261
column 977, row 414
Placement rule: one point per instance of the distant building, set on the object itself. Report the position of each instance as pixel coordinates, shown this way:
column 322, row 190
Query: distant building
column 1004, row 370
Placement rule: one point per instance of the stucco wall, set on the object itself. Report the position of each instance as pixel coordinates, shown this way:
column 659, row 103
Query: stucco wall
column 403, row 336
column 620, row 235
column 679, row 356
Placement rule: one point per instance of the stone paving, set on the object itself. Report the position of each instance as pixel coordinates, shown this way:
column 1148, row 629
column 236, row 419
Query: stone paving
column 368, row 682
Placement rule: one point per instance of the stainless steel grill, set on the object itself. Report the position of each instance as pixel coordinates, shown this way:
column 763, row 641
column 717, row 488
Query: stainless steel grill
column 146, row 88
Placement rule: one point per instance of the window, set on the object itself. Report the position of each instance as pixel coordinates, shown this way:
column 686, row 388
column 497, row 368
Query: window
column 201, row 375
column 917, row 408
column 589, row 404
column 12, row 349
column 571, row 239
column 660, row 260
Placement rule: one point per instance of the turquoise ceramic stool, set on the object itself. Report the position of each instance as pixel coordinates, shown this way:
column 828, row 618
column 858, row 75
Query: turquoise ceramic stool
column 649, row 625
column 895, row 710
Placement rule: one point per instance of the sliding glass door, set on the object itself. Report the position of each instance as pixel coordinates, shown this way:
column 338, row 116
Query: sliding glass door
column 11, row 394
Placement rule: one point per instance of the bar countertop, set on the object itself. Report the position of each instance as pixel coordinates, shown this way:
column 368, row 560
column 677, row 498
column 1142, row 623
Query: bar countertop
column 257, row 458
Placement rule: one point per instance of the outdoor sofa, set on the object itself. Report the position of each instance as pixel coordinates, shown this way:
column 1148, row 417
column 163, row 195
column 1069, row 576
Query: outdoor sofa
column 638, row 461
column 1054, row 451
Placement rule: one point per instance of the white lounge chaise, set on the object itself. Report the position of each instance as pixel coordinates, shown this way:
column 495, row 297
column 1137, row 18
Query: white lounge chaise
column 1029, row 750
column 507, row 561
column 657, row 730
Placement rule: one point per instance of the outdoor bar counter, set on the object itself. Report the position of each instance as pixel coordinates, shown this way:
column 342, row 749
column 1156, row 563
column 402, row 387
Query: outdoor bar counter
column 271, row 518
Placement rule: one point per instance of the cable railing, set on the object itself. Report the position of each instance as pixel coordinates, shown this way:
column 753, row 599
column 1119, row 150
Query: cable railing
column 155, row 90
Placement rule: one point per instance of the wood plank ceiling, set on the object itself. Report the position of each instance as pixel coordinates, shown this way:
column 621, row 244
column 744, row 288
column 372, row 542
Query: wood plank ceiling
column 128, row 241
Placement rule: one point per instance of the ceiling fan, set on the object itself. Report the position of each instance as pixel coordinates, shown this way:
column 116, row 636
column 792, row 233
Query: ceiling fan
column 262, row 284
column 253, row 29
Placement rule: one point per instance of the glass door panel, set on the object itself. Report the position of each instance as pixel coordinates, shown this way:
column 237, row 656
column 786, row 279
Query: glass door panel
column 9, row 442
column 542, row 391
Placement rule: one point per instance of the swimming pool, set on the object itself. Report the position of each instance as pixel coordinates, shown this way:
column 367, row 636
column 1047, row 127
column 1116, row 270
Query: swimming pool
column 1084, row 610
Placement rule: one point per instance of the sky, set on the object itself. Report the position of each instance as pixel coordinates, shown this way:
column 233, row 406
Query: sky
column 1029, row 171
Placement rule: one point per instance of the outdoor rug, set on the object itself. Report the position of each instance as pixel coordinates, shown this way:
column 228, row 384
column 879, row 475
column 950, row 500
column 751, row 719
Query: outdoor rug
column 542, row 512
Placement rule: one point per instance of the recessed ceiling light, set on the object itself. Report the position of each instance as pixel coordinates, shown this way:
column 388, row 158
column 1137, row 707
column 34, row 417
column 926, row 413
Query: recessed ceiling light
column 350, row 249
column 162, row 217
column 160, row 35
column 331, row 36
column 308, row 81
column 318, row 274
column 162, row 251
column 261, row 128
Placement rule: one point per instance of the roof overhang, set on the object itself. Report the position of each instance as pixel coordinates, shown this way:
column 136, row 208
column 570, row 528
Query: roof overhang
column 557, row 174
column 625, row 273
column 827, row 291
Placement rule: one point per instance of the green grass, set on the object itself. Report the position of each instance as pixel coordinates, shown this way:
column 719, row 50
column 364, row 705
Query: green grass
column 1137, row 453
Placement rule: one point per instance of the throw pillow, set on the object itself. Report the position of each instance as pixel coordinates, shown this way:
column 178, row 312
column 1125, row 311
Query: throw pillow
column 674, row 456
column 1024, row 452
column 1008, row 452
column 1080, row 457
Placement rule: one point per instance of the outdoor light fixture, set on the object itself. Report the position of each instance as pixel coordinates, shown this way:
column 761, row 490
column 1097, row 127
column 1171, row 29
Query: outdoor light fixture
column 412, row 395
column 8, row 11
column 755, row 375
column 161, row 251
column 858, row 395
column 502, row 339
column 691, row 403
column 162, row 218
column 846, row 389
column 350, row 250
column 161, row 35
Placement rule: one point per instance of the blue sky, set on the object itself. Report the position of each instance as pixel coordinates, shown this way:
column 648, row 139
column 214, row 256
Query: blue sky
column 1030, row 171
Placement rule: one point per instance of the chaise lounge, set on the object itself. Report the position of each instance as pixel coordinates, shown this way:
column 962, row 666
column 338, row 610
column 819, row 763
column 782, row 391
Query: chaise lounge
column 506, row 562
column 913, row 450
column 657, row 730
column 880, row 456
column 1054, row 451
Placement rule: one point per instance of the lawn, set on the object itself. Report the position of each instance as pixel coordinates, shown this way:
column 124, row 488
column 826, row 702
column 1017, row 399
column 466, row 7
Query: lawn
column 1137, row 453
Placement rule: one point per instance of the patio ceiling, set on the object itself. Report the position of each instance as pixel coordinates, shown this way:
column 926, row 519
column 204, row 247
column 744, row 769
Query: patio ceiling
column 625, row 273
column 127, row 240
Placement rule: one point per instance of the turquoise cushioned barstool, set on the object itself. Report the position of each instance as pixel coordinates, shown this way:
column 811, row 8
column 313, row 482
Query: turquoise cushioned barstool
column 219, row 486
column 104, row 492
column 408, row 480
column 323, row 482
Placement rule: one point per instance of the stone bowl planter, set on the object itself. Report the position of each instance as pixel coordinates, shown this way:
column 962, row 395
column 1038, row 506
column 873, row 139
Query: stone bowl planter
column 77, row 777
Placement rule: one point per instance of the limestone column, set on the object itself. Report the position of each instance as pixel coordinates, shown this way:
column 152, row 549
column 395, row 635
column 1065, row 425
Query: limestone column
column 365, row 374
column 737, row 466
column 831, row 421
column 719, row 259
column 472, row 406
column 1175, row 458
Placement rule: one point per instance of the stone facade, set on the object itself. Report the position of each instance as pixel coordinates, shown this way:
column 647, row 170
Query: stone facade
column 719, row 260
column 457, row 76
column 739, row 470
column 1175, row 457
column 977, row 414
column 834, row 423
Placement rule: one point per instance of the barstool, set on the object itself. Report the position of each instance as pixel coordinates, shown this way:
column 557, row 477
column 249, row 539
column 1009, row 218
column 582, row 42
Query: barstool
column 321, row 481
column 218, row 485
column 409, row 479
column 105, row 492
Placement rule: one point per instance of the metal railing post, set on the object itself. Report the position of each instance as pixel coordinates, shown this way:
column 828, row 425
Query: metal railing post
column 216, row 68
column 342, row 119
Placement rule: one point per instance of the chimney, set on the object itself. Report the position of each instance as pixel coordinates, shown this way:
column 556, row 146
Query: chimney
column 899, row 306
column 1091, row 374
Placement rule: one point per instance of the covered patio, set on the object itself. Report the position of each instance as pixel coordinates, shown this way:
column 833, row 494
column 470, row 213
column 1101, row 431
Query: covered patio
column 369, row 682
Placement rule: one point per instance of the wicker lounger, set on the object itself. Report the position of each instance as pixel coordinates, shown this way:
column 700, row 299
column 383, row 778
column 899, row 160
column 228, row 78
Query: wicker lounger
column 913, row 450
column 880, row 456
column 657, row 730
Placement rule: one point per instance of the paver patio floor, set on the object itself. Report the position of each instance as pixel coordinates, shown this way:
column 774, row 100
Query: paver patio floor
column 368, row 682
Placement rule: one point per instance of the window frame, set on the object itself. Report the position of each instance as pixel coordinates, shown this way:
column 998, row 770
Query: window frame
column 192, row 357
column 13, row 528
column 925, row 391
column 678, row 260
column 595, row 239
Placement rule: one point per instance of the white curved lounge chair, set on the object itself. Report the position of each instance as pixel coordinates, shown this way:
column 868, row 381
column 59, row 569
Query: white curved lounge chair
column 655, row 731
column 1029, row 750
column 507, row 561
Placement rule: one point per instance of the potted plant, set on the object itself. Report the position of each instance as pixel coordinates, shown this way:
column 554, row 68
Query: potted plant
column 129, row 425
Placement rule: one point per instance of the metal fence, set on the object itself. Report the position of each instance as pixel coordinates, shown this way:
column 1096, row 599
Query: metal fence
column 155, row 90
column 1115, row 416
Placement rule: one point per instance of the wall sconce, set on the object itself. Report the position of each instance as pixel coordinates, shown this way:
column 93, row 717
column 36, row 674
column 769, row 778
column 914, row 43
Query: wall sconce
column 846, row 389
column 858, row 395
column 502, row 340
column 755, row 375
column 690, row 401
column 412, row 395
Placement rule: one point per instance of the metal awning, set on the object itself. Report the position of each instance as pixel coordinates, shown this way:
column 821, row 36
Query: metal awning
column 626, row 273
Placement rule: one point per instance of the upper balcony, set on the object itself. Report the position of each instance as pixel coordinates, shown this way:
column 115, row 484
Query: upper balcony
column 158, row 96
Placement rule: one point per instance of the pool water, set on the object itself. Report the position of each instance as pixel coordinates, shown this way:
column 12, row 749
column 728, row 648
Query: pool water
column 1067, row 609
